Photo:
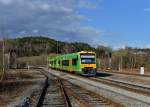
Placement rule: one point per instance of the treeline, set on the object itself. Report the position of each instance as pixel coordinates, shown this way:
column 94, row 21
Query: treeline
column 35, row 46
column 128, row 58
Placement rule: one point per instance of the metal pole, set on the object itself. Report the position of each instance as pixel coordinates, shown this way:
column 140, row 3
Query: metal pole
column 3, row 59
column 110, row 55
column 3, row 48
column 108, row 60
column 57, row 47
column 121, row 64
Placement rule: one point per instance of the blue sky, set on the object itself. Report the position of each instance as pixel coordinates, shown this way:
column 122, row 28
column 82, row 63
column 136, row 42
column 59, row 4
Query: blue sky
column 123, row 22
column 115, row 23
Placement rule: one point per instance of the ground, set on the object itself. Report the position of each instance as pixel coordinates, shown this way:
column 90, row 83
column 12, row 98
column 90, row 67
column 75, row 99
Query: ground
column 131, row 71
column 16, row 83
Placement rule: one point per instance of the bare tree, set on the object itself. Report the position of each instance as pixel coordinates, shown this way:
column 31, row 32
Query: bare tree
column 4, row 38
column 3, row 58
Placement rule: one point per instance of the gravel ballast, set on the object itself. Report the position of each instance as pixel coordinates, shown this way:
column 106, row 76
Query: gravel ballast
column 125, row 97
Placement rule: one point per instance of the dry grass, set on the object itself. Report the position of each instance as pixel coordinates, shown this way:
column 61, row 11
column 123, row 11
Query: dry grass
column 15, row 83
column 32, row 61
column 20, row 74
column 1, row 73
column 11, row 90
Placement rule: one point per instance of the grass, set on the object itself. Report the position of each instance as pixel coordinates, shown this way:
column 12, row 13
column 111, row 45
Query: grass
column 1, row 73
column 22, row 74
column 10, row 90
column 16, row 82
column 19, row 74
column 32, row 61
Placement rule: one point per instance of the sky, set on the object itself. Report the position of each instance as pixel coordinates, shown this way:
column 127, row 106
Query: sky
column 114, row 23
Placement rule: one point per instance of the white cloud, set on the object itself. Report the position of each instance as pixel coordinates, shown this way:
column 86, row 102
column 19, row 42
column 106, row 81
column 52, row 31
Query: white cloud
column 6, row 2
column 147, row 46
column 86, row 4
column 121, row 46
column 35, row 31
column 22, row 32
column 48, row 17
column 147, row 9
column 45, row 6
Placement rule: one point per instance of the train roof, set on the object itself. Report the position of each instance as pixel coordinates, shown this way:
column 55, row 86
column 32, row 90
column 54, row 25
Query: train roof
column 87, row 52
column 73, row 54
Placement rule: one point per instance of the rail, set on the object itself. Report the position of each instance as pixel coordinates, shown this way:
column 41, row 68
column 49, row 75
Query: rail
column 128, row 86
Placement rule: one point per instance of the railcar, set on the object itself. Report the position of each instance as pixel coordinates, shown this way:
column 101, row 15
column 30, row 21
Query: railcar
column 83, row 63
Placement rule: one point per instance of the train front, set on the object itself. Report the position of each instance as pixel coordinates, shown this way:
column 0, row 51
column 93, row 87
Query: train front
column 88, row 63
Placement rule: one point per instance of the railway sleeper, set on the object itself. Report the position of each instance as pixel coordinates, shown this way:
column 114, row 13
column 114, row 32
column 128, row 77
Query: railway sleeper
column 87, row 99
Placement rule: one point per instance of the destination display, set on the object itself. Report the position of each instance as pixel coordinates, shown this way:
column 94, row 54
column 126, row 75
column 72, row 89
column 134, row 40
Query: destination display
column 87, row 56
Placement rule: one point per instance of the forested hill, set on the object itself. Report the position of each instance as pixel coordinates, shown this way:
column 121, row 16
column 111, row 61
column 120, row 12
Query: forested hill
column 33, row 46
column 36, row 46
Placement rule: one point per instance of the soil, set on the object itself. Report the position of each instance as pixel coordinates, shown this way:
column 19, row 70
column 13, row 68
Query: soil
column 8, row 93
column 15, row 83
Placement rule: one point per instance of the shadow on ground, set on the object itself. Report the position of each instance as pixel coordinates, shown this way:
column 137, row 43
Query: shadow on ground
column 98, row 74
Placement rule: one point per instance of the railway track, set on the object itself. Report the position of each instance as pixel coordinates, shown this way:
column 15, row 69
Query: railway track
column 54, row 96
column 61, row 93
column 138, row 88
column 87, row 98
column 124, row 95
column 124, row 73
column 145, row 90
column 125, row 85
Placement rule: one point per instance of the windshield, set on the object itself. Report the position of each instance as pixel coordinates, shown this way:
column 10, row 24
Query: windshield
column 88, row 60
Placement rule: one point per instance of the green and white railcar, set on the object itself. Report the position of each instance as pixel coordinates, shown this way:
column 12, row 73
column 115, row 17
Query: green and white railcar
column 83, row 63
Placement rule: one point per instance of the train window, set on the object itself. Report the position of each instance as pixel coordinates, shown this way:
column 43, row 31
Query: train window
column 74, row 62
column 65, row 62
column 88, row 60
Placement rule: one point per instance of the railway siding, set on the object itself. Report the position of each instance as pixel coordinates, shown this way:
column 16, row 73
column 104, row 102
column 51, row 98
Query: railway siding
column 132, row 83
column 88, row 98
column 62, row 93
column 126, row 73
column 122, row 96
column 134, row 87
column 121, row 74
